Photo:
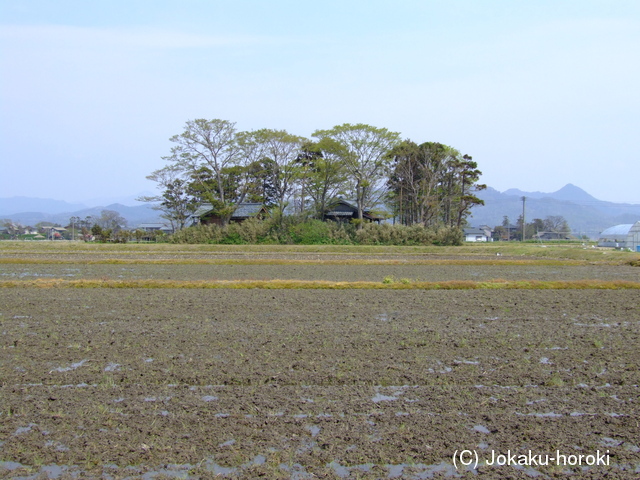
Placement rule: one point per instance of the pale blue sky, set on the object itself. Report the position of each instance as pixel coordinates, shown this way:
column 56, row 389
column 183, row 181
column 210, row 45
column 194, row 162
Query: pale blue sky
column 540, row 93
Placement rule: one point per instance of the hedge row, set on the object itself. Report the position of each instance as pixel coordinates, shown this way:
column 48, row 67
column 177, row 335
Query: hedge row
column 289, row 230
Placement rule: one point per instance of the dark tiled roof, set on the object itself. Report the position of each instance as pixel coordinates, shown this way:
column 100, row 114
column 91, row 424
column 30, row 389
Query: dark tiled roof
column 202, row 209
column 153, row 225
column 245, row 210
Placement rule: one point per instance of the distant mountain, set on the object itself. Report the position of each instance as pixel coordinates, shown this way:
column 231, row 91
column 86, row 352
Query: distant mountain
column 585, row 214
column 133, row 215
column 12, row 205
column 127, row 200
column 569, row 193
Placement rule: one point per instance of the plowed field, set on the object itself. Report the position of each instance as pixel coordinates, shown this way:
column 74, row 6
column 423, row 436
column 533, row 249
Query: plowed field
column 307, row 383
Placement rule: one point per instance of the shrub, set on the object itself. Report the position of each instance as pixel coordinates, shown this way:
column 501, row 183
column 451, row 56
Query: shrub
column 251, row 230
column 311, row 232
column 294, row 230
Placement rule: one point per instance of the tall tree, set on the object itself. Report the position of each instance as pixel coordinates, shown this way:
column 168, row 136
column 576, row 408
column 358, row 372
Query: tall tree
column 417, row 181
column 111, row 220
column 306, row 160
column 327, row 175
column 556, row 224
column 277, row 151
column 365, row 152
column 207, row 146
column 468, row 175
column 177, row 200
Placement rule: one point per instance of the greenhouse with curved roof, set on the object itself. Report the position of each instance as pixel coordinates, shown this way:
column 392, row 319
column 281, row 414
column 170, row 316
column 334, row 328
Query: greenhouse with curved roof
column 621, row 236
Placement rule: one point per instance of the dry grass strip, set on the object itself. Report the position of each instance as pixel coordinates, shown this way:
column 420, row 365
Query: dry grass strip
column 324, row 285
column 286, row 261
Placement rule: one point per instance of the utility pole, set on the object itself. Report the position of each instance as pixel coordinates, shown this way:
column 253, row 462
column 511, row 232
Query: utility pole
column 524, row 222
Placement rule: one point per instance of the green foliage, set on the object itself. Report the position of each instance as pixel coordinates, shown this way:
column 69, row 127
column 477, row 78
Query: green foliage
column 364, row 152
column 433, row 183
column 386, row 234
column 293, row 230
column 311, row 232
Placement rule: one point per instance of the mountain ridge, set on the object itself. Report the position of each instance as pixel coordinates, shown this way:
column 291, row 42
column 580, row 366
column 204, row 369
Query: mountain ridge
column 585, row 214
column 133, row 215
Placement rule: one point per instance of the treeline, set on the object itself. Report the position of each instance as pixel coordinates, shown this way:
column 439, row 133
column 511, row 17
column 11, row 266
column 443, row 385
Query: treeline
column 555, row 227
column 430, row 184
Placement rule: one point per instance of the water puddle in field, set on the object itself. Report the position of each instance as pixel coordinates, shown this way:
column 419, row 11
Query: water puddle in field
column 21, row 430
column 73, row 366
column 481, row 429
column 112, row 367
column 610, row 442
column 209, row 398
column 466, row 362
column 157, row 399
column 383, row 398
column 631, row 447
column 540, row 415
column 402, row 470
column 394, row 391
column 295, row 471
column 34, row 274
column 530, row 471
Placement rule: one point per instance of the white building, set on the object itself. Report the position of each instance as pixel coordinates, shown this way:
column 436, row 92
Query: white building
column 475, row 235
column 621, row 236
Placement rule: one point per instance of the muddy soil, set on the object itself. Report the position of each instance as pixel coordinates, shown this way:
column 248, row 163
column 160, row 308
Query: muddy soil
column 341, row 273
column 314, row 383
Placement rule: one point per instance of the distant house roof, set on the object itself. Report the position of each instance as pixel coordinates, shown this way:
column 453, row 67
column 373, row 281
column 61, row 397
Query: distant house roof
column 241, row 212
column 149, row 227
column 343, row 209
column 474, row 231
column 246, row 210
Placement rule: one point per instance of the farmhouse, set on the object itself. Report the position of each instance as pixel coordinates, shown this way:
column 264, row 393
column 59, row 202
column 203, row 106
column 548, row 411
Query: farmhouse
column 475, row 235
column 206, row 215
column 343, row 211
column 155, row 227
column 53, row 233
column 621, row 236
